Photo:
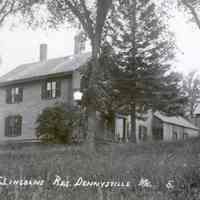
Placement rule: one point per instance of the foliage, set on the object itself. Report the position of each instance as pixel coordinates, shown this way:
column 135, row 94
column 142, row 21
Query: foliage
column 144, row 48
column 56, row 124
column 88, row 15
column 191, row 88
column 193, row 8
column 11, row 7
column 148, row 80
column 190, row 8
column 107, row 101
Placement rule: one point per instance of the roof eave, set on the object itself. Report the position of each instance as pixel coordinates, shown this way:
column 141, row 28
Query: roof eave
column 35, row 78
column 194, row 128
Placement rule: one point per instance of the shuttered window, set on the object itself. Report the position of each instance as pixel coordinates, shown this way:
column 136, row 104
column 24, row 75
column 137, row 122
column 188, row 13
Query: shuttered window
column 51, row 89
column 13, row 126
column 14, row 95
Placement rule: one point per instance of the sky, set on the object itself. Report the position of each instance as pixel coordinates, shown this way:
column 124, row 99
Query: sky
column 188, row 43
column 20, row 45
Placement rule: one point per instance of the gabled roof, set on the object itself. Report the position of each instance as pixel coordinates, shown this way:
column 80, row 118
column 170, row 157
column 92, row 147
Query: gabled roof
column 176, row 120
column 45, row 68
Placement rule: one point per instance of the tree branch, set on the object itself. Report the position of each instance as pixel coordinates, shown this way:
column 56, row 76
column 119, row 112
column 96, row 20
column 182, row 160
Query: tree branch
column 3, row 7
column 87, row 16
column 6, row 10
column 103, row 7
column 11, row 7
column 81, row 16
column 193, row 12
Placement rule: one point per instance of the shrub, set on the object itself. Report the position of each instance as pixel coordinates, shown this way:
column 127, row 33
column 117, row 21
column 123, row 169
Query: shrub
column 56, row 124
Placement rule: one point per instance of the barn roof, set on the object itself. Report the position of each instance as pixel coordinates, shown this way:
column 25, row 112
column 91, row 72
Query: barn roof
column 176, row 120
column 45, row 68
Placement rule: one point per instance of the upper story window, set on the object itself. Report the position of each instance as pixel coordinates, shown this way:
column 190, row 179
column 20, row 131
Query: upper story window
column 14, row 95
column 13, row 126
column 51, row 89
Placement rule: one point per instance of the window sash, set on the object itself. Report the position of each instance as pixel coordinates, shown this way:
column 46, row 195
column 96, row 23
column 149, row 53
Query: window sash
column 13, row 125
column 158, row 133
column 14, row 95
column 51, row 89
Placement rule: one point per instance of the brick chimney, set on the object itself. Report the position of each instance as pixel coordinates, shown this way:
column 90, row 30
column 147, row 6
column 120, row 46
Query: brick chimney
column 79, row 43
column 43, row 52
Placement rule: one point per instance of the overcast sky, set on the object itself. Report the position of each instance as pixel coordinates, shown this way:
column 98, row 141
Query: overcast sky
column 19, row 45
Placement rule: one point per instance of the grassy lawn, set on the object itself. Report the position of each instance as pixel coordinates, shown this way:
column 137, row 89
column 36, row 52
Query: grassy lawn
column 155, row 171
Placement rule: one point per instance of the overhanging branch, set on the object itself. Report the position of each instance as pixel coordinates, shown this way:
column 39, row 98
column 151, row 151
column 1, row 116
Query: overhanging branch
column 193, row 12
column 87, row 26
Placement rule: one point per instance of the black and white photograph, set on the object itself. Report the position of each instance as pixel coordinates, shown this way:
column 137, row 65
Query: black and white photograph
column 99, row 100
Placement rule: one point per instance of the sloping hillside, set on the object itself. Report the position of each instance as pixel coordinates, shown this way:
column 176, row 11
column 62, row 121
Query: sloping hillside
column 154, row 170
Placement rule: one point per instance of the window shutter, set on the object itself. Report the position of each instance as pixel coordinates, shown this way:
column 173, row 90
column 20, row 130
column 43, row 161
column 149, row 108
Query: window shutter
column 6, row 126
column 58, row 88
column 20, row 97
column 140, row 132
column 8, row 95
column 43, row 90
column 19, row 125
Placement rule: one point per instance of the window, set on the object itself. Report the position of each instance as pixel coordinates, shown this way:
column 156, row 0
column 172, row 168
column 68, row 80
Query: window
column 142, row 133
column 13, row 126
column 185, row 136
column 175, row 135
column 158, row 133
column 51, row 89
column 157, row 129
column 14, row 95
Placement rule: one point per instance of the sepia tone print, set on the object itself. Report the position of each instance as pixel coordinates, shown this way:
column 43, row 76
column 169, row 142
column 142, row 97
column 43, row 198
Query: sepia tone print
column 99, row 99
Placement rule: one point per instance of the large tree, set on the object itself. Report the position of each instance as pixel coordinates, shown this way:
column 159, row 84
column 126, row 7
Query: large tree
column 91, row 15
column 144, row 47
column 108, row 101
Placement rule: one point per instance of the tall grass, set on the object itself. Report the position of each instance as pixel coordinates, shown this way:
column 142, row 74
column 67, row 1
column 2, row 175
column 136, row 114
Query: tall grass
column 158, row 163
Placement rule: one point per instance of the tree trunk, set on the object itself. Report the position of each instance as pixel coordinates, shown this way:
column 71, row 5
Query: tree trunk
column 134, row 63
column 94, row 31
column 91, row 111
column 91, row 128
column 133, row 123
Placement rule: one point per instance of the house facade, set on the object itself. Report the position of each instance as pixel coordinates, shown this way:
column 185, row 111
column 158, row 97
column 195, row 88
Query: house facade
column 28, row 89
